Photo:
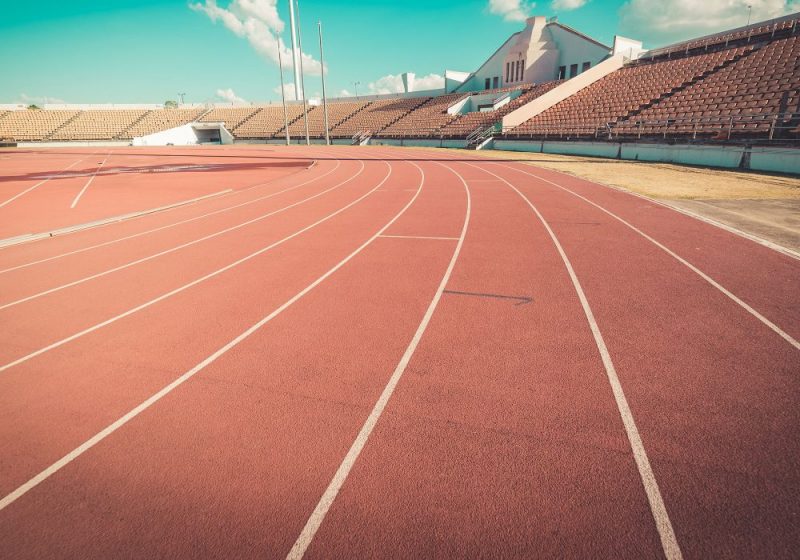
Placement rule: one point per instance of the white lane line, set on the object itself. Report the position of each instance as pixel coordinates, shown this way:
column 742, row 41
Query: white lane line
column 669, row 542
column 419, row 237
column 89, row 182
column 733, row 297
column 190, row 284
column 176, row 248
column 116, row 425
column 181, row 222
column 320, row 511
column 29, row 189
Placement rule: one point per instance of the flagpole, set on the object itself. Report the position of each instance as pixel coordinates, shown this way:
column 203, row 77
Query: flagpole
column 324, row 98
column 302, row 76
column 283, row 95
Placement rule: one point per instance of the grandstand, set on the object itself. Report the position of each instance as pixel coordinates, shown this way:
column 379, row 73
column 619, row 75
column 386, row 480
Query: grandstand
column 741, row 85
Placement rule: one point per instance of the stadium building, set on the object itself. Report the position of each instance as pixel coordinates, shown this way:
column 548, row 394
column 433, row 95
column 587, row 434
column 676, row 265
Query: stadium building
column 730, row 99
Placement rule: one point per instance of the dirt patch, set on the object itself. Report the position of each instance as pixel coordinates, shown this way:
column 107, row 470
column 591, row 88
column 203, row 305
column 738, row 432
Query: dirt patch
column 663, row 180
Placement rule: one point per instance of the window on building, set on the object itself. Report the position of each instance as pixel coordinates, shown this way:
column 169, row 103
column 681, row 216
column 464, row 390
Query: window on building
column 488, row 84
column 516, row 70
column 496, row 82
column 562, row 72
column 573, row 70
column 522, row 69
column 508, row 71
column 586, row 66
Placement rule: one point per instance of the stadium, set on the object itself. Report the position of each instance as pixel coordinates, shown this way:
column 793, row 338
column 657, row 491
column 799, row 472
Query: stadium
column 546, row 307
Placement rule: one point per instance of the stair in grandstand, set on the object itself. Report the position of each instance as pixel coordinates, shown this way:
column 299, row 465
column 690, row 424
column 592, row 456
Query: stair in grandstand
column 204, row 113
column 686, row 84
column 480, row 136
column 65, row 123
column 361, row 138
column 250, row 116
column 298, row 118
column 423, row 101
column 123, row 134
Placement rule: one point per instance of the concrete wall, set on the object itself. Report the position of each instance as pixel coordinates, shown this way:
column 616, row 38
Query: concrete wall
column 419, row 142
column 774, row 159
column 562, row 91
column 574, row 49
column 186, row 135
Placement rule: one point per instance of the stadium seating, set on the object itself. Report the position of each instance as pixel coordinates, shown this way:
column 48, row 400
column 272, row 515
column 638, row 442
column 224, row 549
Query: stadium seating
column 470, row 122
column 231, row 116
column 34, row 124
column 104, row 124
column 337, row 112
column 428, row 118
column 161, row 119
column 267, row 121
column 377, row 116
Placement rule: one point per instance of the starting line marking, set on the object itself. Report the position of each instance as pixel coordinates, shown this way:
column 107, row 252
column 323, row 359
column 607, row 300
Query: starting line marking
column 29, row 189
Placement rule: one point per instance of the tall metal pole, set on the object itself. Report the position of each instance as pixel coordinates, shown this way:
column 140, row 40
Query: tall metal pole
column 302, row 75
column 324, row 98
column 283, row 95
column 295, row 62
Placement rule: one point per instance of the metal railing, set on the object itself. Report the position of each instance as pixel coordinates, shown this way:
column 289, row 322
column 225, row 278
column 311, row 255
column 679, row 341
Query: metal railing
column 722, row 128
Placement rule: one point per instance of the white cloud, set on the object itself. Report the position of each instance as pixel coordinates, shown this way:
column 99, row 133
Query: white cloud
column 665, row 21
column 345, row 93
column 229, row 95
column 567, row 5
column 511, row 10
column 393, row 83
column 257, row 21
column 25, row 99
column 288, row 90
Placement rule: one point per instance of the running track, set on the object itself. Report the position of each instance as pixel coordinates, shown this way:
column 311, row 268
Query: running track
column 389, row 353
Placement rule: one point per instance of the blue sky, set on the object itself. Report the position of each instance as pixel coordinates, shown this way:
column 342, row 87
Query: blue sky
column 147, row 51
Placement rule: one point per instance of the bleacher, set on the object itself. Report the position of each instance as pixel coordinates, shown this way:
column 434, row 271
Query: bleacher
column 231, row 116
column 105, row 124
column 338, row 111
column 740, row 84
column 34, row 124
column 428, row 118
column 267, row 122
column 377, row 115
column 160, row 119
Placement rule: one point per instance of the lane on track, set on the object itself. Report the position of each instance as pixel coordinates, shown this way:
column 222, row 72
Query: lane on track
column 86, row 307
column 252, row 408
column 120, row 193
column 769, row 287
column 711, row 388
column 504, row 430
column 52, row 277
column 29, row 254
column 123, row 363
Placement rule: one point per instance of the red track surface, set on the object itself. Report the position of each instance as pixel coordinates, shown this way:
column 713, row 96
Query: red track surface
column 389, row 354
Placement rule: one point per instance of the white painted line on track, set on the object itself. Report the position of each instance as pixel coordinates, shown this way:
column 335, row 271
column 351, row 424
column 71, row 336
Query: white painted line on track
column 29, row 189
column 320, row 511
column 119, row 423
column 775, row 328
column 181, row 222
column 669, row 542
column 89, row 182
column 419, row 237
column 176, row 248
column 8, row 242
column 195, row 282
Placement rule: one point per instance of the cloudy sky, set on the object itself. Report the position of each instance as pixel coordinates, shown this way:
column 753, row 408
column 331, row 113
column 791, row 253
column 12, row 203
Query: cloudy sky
column 148, row 51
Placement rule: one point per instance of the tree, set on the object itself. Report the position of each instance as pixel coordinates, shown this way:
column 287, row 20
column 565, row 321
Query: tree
column 170, row 104
column 33, row 107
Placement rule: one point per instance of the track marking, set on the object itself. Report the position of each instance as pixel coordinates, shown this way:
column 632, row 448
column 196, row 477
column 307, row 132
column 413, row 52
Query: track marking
column 521, row 300
column 195, row 282
column 419, row 237
column 176, row 248
column 116, row 425
column 733, row 297
column 325, row 502
column 89, row 182
column 669, row 542
column 29, row 189
column 160, row 228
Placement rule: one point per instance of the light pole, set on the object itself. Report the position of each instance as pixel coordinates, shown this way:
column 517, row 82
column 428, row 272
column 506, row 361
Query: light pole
column 355, row 85
column 181, row 95
column 302, row 76
column 283, row 94
column 749, row 13
column 324, row 98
